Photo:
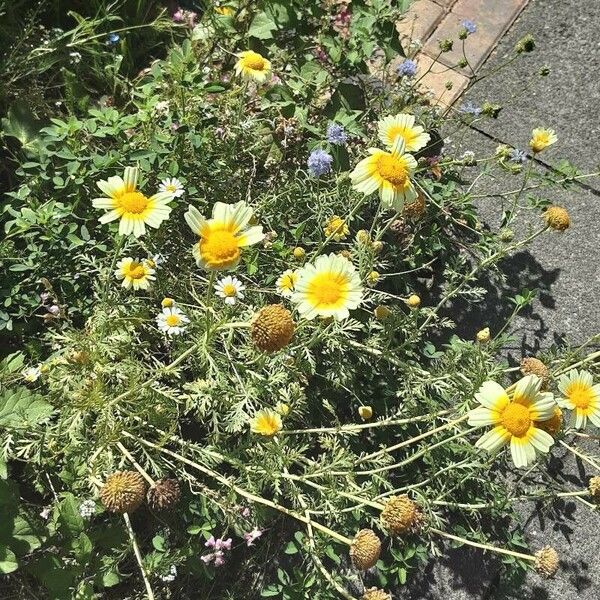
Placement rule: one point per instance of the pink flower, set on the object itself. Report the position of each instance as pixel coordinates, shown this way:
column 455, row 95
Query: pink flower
column 219, row 558
column 179, row 16
column 252, row 536
column 207, row 558
column 222, row 544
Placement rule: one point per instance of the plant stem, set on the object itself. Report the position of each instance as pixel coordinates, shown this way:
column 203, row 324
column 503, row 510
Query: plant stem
column 138, row 556
column 456, row 538
column 134, row 462
column 242, row 492
column 579, row 454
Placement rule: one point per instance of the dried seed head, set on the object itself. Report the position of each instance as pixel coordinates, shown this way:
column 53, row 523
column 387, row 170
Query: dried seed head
column 557, row 218
column 272, row 328
column 164, row 494
column 594, row 488
column 365, row 549
column 401, row 515
column 123, row 491
column 534, row 366
column 546, row 561
column 376, row 594
column 553, row 425
column 415, row 209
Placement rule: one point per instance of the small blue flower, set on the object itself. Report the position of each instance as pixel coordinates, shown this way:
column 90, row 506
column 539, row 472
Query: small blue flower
column 112, row 39
column 517, row 156
column 336, row 134
column 408, row 68
column 469, row 26
column 468, row 108
column 319, row 162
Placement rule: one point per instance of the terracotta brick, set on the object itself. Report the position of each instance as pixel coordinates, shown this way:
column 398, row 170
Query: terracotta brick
column 419, row 21
column 492, row 20
column 435, row 79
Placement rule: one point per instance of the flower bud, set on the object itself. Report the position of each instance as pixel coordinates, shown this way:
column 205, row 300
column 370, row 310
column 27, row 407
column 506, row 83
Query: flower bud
column 483, row 336
column 365, row 412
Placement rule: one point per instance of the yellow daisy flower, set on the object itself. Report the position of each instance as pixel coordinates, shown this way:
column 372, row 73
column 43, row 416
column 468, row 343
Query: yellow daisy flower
column 580, row 395
column 224, row 235
column 125, row 202
column 252, row 65
column 286, row 283
column 135, row 273
column 541, row 139
column 330, row 287
column 266, row 422
column 337, row 228
column 389, row 173
column 226, row 11
column 514, row 418
column 402, row 125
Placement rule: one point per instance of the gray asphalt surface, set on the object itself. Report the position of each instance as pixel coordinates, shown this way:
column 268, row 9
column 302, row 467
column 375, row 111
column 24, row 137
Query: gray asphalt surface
column 564, row 267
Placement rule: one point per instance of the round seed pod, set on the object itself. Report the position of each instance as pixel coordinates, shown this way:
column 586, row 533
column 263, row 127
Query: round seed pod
column 376, row 594
column 534, row 366
column 401, row 516
column 164, row 494
column 594, row 488
column 123, row 491
column 546, row 561
column 557, row 218
column 272, row 328
column 554, row 424
column 365, row 549
column 415, row 209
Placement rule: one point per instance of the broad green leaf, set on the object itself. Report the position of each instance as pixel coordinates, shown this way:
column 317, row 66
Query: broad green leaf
column 19, row 406
column 21, row 124
column 69, row 518
column 24, row 536
column 262, row 27
column 8, row 561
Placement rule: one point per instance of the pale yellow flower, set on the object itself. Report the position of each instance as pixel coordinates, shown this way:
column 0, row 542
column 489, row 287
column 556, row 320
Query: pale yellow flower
column 541, row 139
column 286, row 283
column 514, row 418
column 330, row 287
column 224, row 235
column 252, row 65
column 336, row 228
column 135, row 273
column 266, row 422
column 580, row 395
column 125, row 202
column 402, row 125
column 387, row 173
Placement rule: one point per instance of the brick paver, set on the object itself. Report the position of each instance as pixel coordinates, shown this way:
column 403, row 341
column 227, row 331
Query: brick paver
column 419, row 21
column 492, row 20
column 432, row 20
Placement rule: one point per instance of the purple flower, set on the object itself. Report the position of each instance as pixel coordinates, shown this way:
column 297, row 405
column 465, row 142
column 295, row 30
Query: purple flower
column 252, row 536
column 319, row 162
column 407, row 69
column 246, row 512
column 222, row 544
column 210, row 542
column 468, row 108
column 469, row 26
column 54, row 309
column 336, row 134
column 179, row 16
column 112, row 39
column 219, row 558
column 517, row 156
column 207, row 558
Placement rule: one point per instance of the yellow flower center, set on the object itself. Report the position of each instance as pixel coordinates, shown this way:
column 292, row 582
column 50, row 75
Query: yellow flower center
column 171, row 188
column 580, row 395
column 516, row 419
column 133, row 202
column 135, row 271
column 408, row 134
column 254, row 61
column 327, row 289
column 220, row 248
column 229, row 289
column 172, row 320
column 392, row 169
column 287, row 282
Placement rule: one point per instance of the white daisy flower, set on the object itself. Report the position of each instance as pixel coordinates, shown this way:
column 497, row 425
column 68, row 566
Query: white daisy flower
column 514, row 418
column 172, row 186
column 172, row 321
column 230, row 288
column 135, row 273
column 32, row 374
column 580, row 395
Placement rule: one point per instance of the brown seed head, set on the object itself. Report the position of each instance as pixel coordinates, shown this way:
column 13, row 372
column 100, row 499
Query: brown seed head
column 376, row 594
column 365, row 549
column 164, row 494
column 272, row 328
column 401, row 516
column 557, row 218
column 546, row 561
column 123, row 491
